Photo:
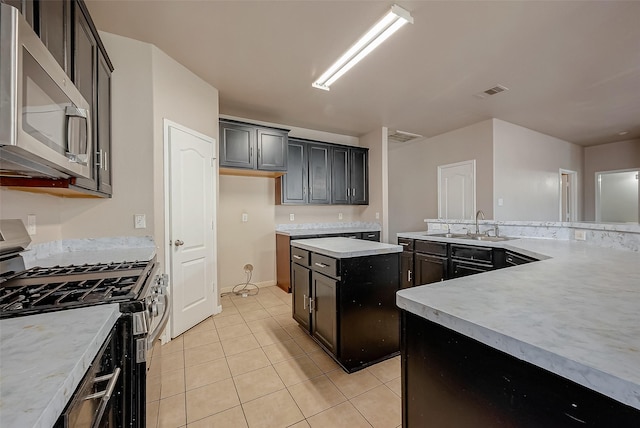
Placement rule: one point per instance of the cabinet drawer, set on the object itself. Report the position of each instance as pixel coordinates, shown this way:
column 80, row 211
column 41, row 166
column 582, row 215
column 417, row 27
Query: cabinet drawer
column 407, row 244
column 325, row 265
column 300, row 256
column 475, row 254
column 430, row 247
column 371, row 236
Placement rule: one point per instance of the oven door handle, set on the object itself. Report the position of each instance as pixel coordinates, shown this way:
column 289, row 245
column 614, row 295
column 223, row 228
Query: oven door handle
column 163, row 322
column 106, row 395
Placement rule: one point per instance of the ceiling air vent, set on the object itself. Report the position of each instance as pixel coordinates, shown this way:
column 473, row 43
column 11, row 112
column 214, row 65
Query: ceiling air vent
column 491, row 91
column 402, row 136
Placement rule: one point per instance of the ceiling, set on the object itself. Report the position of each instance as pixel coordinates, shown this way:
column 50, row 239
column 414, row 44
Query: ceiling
column 572, row 67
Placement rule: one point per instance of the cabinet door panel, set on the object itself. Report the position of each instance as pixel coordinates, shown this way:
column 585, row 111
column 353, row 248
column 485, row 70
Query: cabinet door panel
column 324, row 323
column 406, row 270
column 319, row 177
column 339, row 175
column 272, row 150
column 429, row 269
column 54, row 29
column 237, row 143
column 103, row 123
column 294, row 182
column 358, row 176
column 85, row 49
column 301, row 291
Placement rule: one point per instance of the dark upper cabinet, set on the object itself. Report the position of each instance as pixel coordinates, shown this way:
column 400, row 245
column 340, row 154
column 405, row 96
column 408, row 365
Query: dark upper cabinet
column 247, row 146
column 295, row 181
column 236, row 145
column 340, row 175
column 103, row 124
column 308, row 179
column 319, row 173
column 349, row 176
column 54, row 30
column 324, row 173
column 358, row 176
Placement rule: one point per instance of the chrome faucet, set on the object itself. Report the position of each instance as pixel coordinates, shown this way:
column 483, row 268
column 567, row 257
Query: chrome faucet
column 479, row 213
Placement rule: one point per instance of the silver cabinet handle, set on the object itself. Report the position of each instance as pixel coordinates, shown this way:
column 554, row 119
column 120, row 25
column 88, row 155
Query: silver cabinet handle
column 99, row 160
column 509, row 259
column 348, row 192
column 297, row 257
column 312, row 305
column 409, row 276
column 179, row 243
column 304, row 301
column 371, row 235
column 354, row 192
column 404, row 244
column 321, row 265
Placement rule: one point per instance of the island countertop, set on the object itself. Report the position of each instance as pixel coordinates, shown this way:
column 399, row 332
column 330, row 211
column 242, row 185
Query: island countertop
column 43, row 359
column 345, row 248
column 574, row 313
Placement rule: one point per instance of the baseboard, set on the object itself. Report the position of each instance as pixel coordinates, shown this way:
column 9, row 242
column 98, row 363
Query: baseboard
column 262, row 284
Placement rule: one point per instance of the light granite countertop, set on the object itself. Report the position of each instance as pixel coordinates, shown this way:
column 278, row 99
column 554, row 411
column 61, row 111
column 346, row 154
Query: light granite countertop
column 43, row 359
column 307, row 229
column 345, row 248
column 574, row 313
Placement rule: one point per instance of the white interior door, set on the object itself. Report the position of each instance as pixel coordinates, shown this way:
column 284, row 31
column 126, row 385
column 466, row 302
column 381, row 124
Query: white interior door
column 457, row 190
column 191, row 226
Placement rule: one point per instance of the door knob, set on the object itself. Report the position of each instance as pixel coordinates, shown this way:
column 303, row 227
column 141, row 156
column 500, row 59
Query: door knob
column 179, row 243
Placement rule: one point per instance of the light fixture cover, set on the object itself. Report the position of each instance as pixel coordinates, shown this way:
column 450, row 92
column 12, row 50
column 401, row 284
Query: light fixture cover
column 389, row 24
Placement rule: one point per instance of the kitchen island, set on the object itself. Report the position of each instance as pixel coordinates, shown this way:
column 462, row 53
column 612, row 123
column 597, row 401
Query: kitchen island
column 497, row 342
column 344, row 297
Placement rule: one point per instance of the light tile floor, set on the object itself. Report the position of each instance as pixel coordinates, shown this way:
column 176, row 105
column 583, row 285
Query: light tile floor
column 252, row 366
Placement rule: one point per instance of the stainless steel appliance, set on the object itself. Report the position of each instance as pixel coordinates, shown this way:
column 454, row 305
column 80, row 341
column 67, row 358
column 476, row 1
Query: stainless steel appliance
column 141, row 293
column 45, row 124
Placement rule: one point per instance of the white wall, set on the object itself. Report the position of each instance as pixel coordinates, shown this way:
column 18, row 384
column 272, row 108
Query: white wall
column 526, row 176
column 377, row 143
column 606, row 157
column 413, row 174
column 46, row 208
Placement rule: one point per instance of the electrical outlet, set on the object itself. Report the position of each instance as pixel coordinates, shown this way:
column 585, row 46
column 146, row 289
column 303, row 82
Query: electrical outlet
column 31, row 224
column 140, row 221
column 339, row 216
column 292, row 217
column 377, row 216
column 500, row 202
column 245, row 217
column 580, row 235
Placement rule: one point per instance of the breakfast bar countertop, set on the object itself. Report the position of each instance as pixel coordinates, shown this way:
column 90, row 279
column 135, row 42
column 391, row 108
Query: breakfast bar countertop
column 574, row 312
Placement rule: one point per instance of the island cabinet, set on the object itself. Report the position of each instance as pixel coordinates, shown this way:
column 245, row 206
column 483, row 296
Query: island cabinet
column 347, row 305
column 260, row 149
column 451, row 380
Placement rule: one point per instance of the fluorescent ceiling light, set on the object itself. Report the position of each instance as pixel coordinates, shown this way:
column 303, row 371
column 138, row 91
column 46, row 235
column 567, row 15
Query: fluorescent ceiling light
column 380, row 32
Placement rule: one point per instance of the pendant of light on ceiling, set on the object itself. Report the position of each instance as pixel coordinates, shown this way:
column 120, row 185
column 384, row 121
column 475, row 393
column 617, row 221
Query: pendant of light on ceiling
column 389, row 24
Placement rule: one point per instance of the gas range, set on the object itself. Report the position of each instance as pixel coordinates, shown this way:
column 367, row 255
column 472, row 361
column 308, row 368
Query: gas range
column 45, row 289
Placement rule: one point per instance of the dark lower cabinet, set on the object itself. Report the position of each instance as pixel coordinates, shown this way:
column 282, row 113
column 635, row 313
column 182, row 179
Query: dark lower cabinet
column 462, row 268
column 300, row 291
column 406, row 270
column 450, row 380
column 325, row 318
column 351, row 305
column 430, row 269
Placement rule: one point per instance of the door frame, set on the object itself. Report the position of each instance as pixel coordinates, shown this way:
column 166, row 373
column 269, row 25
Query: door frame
column 471, row 163
column 166, row 124
column 573, row 196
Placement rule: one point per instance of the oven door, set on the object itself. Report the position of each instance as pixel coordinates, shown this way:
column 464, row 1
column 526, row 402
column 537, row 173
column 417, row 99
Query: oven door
column 97, row 401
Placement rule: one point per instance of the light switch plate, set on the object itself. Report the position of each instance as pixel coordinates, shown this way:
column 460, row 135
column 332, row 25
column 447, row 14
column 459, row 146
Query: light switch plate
column 292, row 217
column 140, row 221
column 339, row 216
column 245, row 217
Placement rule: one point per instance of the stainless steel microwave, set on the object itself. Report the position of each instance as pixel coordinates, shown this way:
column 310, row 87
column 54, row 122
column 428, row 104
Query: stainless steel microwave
column 45, row 123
